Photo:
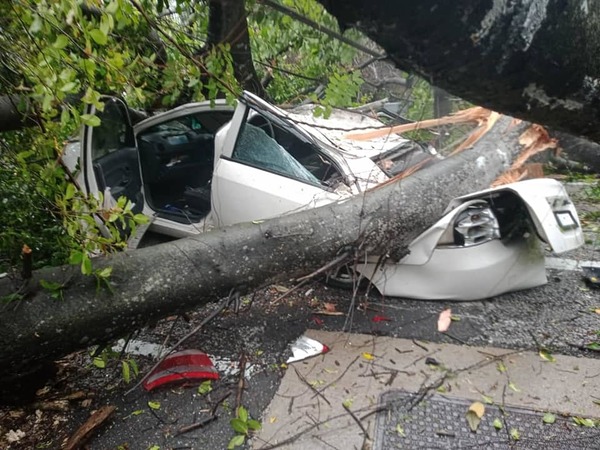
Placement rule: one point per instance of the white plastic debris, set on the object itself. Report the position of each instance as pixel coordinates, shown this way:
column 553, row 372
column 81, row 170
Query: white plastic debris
column 305, row 347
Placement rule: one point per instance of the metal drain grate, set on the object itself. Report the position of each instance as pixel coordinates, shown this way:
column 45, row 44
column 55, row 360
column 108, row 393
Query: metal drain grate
column 439, row 423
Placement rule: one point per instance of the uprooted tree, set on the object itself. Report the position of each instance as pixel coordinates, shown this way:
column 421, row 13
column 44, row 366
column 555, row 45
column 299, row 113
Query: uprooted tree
column 152, row 283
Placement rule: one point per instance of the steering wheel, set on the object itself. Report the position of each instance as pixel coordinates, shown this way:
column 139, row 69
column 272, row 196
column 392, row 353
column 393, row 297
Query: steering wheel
column 264, row 124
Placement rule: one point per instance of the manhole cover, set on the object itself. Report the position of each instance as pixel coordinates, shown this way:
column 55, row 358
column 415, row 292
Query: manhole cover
column 439, row 423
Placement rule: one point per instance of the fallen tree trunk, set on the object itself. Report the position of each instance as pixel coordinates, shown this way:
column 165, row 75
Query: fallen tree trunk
column 154, row 282
column 534, row 59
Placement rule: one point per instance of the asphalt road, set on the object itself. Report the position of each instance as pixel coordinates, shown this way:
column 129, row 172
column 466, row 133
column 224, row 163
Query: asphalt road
column 561, row 317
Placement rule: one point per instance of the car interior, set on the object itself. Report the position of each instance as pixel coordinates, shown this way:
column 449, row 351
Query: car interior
column 177, row 159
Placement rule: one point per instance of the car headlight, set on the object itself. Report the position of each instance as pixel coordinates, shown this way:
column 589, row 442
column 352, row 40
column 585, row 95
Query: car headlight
column 475, row 225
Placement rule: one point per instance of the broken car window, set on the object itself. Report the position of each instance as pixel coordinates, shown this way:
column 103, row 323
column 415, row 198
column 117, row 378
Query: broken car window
column 256, row 147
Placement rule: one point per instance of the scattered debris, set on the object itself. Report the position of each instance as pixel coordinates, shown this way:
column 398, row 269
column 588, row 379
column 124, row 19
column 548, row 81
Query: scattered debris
column 381, row 319
column 444, row 320
column 591, row 276
column 181, row 366
column 84, row 432
column 305, row 347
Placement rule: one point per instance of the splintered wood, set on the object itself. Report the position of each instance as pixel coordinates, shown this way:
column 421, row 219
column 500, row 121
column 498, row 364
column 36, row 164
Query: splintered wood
column 534, row 140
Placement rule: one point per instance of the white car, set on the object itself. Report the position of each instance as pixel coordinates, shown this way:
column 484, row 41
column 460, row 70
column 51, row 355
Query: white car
column 200, row 166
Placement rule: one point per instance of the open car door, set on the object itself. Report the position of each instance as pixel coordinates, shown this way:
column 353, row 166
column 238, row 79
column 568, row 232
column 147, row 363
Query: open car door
column 265, row 168
column 109, row 159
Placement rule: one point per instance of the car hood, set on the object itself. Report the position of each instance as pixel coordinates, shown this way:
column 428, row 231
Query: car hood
column 332, row 131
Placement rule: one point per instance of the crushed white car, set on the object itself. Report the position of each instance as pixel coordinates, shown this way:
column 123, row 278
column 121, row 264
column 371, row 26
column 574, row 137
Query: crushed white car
column 200, row 165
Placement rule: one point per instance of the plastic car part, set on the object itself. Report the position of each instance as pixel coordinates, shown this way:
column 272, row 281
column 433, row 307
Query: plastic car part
column 182, row 366
column 475, row 225
column 305, row 347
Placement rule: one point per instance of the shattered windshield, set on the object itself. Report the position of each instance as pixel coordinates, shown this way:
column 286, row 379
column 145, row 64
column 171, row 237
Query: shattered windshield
column 256, row 147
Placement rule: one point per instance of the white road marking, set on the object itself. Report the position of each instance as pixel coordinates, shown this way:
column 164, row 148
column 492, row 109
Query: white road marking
column 568, row 264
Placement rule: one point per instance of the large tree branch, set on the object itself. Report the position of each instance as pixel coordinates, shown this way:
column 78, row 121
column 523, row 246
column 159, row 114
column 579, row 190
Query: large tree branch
column 534, row 59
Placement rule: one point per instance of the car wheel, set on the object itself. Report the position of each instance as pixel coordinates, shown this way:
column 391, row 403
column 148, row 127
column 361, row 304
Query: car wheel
column 345, row 277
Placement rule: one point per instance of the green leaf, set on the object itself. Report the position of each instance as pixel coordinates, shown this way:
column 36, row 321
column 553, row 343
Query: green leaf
column 98, row 36
column 205, row 387
column 501, row 367
column 61, row 41
column 75, row 257
column 69, row 87
column 236, row 441
column 549, row 418
column 546, row 355
column 134, row 367
column 70, row 192
column 239, row 425
column 488, row 400
column 104, row 273
column 514, row 433
column 589, row 423
column 86, row 265
column 473, row 420
column 154, row 405
column 497, row 424
column 400, row 431
column 99, row 362
column 90, row 120
column 254, row 425
column 593, row 346
column 242, row 413
column 126, row 372
column 513, row 387
column 137, row 412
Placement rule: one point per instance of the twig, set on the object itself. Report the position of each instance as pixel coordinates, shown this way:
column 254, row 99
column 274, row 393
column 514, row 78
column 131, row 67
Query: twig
column 338, row 378
column 312, row 388
column 357, row 420
column 419, row 345
column 241, row 382
column 196, row 425
column 213, row 410
column 340, row 259
column 83, row 432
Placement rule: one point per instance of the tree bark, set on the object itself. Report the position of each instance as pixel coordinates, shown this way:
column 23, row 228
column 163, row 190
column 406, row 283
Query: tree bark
column 154, row 282
column 533, row 59
column 228, row 24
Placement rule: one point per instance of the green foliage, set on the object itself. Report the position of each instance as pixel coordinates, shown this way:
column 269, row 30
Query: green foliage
column 243, row 425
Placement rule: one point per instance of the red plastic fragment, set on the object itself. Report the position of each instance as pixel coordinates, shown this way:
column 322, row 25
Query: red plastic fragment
column 182, row 366
column 381, row 319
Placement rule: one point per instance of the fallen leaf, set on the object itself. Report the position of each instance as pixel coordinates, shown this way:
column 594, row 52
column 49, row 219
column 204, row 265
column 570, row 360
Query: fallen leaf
column 474, row 415
column 381, row 319
column 501, row 367
column 597, row 310
column 473, row 421
column 272, row 419
column 549, row 418
column 514, row 433
column 589, row 423
column 329, row 307
column 400, row 431
column 14, row 436
column 497, row 424
column 348, row 402
column 487, row 399
column 513, row 387
column 478, row 408
column 546, row 355
column 444, row 320
column 154, row 405
column 368, row 356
